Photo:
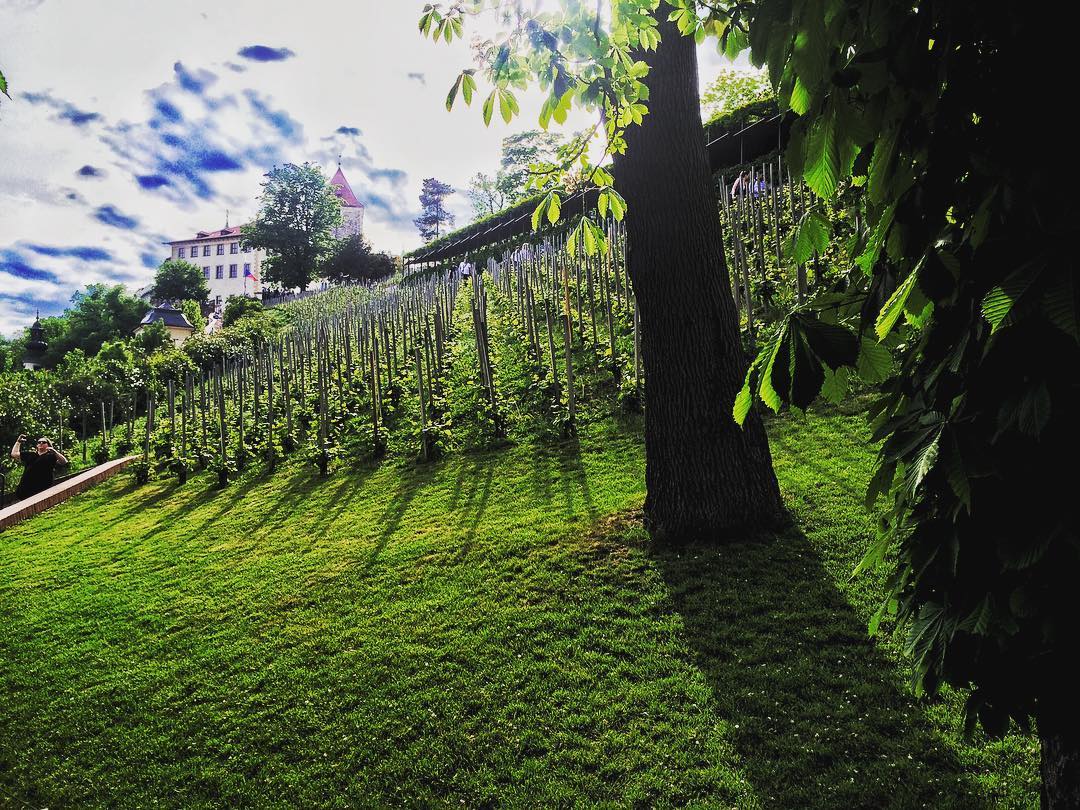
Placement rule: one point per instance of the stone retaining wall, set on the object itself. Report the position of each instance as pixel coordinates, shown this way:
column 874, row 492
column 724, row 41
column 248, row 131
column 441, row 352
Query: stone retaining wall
column 28, row 507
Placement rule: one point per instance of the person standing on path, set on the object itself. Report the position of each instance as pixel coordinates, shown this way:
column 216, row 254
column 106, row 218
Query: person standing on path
column 37, row 467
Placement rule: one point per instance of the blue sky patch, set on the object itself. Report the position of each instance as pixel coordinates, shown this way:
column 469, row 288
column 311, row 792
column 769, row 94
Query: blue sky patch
column 11, row 261
column 85, row 253
column 264, row 53
column 194, row 81
column 151, row 181
column 168, row 111
column 108, row 215
column 214, row 160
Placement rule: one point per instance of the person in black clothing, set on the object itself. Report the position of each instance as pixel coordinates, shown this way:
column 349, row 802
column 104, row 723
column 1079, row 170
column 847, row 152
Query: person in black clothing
column 37, row 466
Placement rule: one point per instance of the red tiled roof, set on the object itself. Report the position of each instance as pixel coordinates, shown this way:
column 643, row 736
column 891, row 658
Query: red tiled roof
column 344, row 191
column 222, row 234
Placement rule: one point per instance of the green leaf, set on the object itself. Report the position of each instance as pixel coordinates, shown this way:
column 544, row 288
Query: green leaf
column 3, row 84
column 1034, row 410
column 452, row 94
column 489, row 107
column 870, row 255
column 835, row 387
column 800, row 98
column 978, row 621
column 925, row 460
column 618, row 205
column 1001, row 300
column 893, row 308
column 875, row 362
column 554, row 208
column 766, row 390
column 811, row 236
column 504, row 106
column 874, row 556
column 1061, row 304
column 743, row 401
column 925, row 631
column 880, row 165
column 956, row 473
column 540, row 210
column 807, row 372
column 468, row 86
column 822, row 170
column 833, row 345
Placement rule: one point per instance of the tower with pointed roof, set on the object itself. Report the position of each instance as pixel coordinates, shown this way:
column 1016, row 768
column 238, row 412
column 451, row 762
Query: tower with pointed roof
column 352, row 210
column 34, row 356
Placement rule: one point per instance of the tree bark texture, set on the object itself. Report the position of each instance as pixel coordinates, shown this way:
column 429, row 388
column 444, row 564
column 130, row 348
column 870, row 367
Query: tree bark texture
column 706, row 478
column 1060, row 768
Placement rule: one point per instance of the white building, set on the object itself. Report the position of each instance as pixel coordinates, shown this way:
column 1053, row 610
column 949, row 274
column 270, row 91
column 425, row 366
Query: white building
column 352, row 210
column 227, row 266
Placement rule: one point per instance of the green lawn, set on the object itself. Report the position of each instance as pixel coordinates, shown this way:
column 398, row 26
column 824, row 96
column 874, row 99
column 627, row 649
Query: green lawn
column 492, row 630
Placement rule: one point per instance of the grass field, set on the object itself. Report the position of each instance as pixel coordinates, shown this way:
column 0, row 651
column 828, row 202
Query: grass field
column 491, row 630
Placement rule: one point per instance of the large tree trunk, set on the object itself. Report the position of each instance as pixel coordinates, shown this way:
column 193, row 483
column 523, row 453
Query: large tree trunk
column 706, row 478
column 1060, row 769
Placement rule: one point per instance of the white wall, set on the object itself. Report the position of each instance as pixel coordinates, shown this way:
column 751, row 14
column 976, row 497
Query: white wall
column 223, row 287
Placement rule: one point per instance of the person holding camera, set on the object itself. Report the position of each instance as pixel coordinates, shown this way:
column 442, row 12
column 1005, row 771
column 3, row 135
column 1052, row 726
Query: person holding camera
column 37, row 466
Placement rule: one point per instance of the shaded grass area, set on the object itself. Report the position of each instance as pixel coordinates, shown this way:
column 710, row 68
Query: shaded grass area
column 492, row 630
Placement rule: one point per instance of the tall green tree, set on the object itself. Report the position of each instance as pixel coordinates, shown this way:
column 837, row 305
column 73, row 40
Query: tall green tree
column 732, row 89
column 297, row 212
column 354, row 261
column 967, row 266
column 99, row 313
column 177, row 280
column 434, row 217
column 705, row 478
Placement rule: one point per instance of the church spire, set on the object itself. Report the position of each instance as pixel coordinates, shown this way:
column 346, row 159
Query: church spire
column 343, row 190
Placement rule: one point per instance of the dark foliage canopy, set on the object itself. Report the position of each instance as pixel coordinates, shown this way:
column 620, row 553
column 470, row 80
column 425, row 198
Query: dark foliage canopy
column 178, row 280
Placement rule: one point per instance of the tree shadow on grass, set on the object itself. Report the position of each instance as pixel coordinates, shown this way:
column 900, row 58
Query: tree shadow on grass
column 815, row 708
column 480, row 475
column 409, row 485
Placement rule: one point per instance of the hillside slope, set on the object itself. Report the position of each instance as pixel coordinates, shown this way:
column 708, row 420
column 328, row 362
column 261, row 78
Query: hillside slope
column 492, row 630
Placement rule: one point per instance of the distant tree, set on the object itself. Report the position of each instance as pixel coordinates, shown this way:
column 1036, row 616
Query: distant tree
column 193, row 312
column 353, row 261
column 237, row 306
column 153, row 338
column 297, row 212
column 178, row 281
column 486, row 195
column 98, row 314
column 732, row 89
column 489, row 194
column 434, row 214
column 520, row 151
column 11, row 352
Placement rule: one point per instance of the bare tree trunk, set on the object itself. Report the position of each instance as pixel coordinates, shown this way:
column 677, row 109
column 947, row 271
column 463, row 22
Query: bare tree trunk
column 1060, row 769
column 706, row 478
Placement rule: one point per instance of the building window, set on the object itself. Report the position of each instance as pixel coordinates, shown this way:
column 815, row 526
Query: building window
column 206, row 272
column 234, row 247
column 221, row 250
column 205, row 250
column 219, row 271
column 232, row 271
column 180, row 253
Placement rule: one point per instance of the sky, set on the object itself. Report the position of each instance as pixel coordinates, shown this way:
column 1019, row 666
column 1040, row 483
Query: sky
column 137, row 122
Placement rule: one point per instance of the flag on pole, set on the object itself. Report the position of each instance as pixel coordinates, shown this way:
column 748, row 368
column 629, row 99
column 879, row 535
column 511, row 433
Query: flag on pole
column 249, row 273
